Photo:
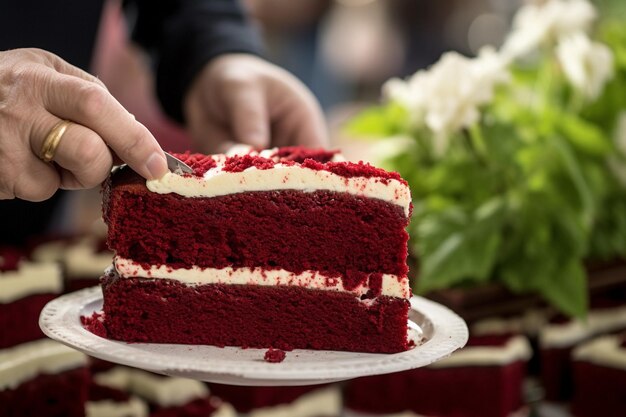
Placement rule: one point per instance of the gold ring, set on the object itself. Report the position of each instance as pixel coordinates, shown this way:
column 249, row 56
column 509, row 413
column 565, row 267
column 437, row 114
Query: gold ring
column 51, row 143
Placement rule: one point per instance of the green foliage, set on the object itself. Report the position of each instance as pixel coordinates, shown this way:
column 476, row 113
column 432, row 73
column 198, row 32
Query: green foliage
column 524, row 197
column 377, row 122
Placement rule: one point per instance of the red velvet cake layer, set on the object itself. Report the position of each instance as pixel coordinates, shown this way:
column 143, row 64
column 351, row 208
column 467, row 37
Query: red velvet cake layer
column 556, row 373
column 143, row 310
column 19, row 319
column 57, row 395
column 201, row 407
column 99, row 392
column 335, row 233
column 599, row 390
column 469, row 391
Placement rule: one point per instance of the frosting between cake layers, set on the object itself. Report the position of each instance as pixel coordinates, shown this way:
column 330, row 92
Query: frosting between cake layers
column 517, row 348
column 27, row 360
column 160, row 390
column 217, row 182
column 392, row 286
column 30, row 278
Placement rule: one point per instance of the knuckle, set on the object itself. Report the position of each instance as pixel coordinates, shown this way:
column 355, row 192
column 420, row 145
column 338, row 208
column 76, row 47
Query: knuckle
column 92, row 99
column 237, row 79
column 86, row 152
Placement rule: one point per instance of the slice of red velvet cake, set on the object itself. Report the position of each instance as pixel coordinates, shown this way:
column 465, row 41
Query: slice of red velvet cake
column 599, row 370
column 25, row 288
column 42, row 378
column 286, row 248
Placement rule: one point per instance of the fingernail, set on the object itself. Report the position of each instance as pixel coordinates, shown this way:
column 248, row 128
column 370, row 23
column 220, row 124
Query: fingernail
column 156, row 165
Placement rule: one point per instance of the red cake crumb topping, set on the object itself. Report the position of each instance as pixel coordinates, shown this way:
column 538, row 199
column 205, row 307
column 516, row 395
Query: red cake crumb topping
column 300, row 154
column 9, row 258
column 350, row 169
column 95, row 324
column 274, row 355
column 198, row 162
column 238, row 163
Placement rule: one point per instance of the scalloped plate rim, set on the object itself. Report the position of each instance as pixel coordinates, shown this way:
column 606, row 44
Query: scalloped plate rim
column 444, row 330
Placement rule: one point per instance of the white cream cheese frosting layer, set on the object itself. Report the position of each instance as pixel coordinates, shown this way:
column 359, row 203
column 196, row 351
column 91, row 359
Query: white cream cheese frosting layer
column 391, row 285
column 217, row 182
column 568, row 334
column 82, row 260
column 160, row 390
column 25, row 361
column 320, row 402
column 30, row 278
column 517, row 348
column 134, row 407
column 604, row 351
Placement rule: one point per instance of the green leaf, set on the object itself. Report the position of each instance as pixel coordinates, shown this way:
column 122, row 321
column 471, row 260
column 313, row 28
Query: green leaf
column 575, row 173
column 567, row 289
column 584, row 136
column 378, row 122
column 455, row 247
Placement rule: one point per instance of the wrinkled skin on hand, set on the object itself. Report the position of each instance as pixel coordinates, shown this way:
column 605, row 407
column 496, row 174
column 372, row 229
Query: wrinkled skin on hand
column 37, row 90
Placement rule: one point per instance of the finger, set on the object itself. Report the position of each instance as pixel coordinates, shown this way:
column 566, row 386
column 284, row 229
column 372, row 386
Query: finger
column 211, row 137
column 64, row 67
column 207, row 134
column 88, row 104
column 37, row 181
column 299, row 120
column 246, row 111
column 81, row 152
column 300, row 124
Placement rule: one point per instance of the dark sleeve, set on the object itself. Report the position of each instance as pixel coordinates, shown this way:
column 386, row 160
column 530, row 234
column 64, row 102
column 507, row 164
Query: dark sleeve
column 183, row 35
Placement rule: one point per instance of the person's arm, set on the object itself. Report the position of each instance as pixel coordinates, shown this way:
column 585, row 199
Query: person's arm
column 210, row 78
column 182, row 36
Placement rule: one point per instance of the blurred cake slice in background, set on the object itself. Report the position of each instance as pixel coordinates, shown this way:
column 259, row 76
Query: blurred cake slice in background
column 42, row 378
column 296, row 401
column 483, row 379
column 599, row 373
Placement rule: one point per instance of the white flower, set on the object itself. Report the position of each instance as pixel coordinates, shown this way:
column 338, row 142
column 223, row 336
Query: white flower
column 447, row 96
column 409, row 94
column 546, row 22
column 587, row 65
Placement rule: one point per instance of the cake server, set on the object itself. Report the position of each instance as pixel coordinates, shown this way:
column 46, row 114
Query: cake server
column 176, row 165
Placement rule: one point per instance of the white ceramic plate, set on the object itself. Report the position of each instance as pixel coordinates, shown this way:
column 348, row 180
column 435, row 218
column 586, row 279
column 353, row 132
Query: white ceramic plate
column 442, row 333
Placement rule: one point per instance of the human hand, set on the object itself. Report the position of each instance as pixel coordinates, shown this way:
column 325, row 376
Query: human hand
column 37, row 91
column 239, row 98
